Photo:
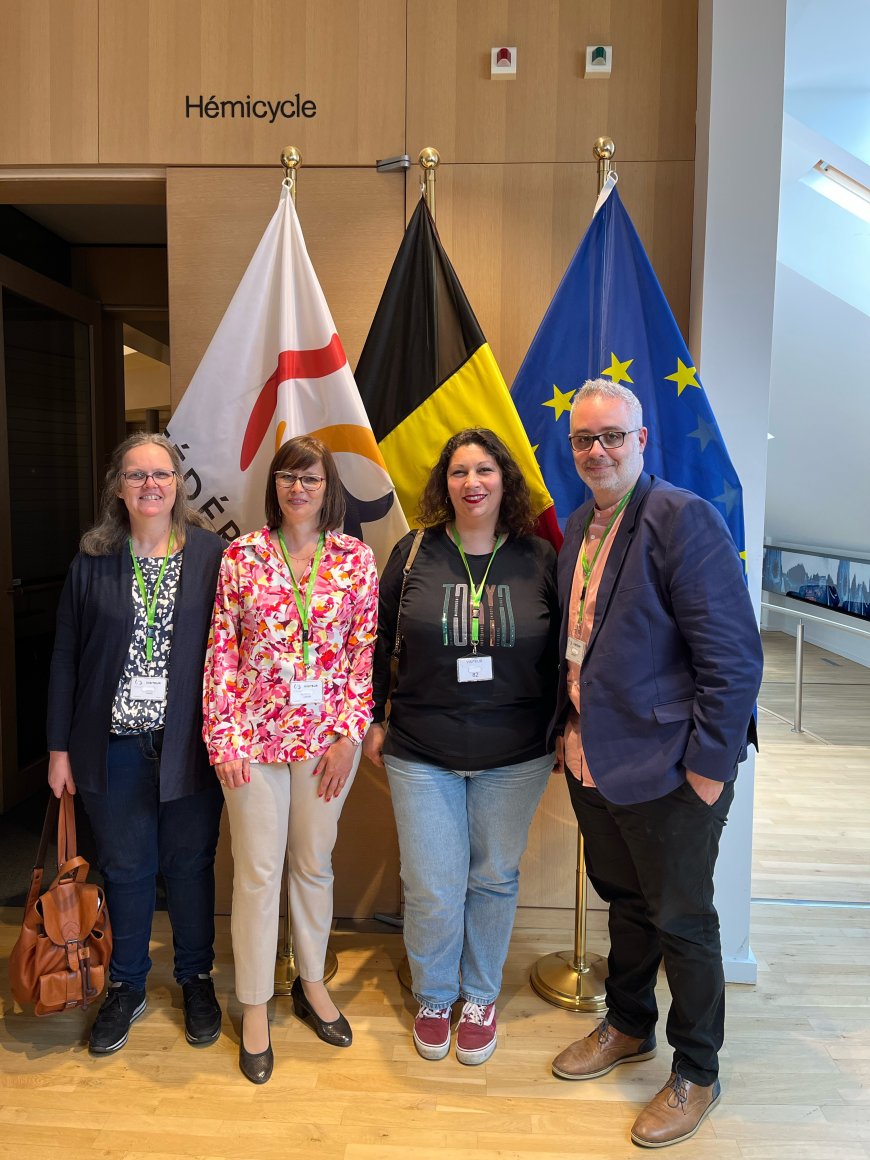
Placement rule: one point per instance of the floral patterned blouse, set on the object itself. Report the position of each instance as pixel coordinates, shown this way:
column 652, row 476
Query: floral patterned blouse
column 255, row 651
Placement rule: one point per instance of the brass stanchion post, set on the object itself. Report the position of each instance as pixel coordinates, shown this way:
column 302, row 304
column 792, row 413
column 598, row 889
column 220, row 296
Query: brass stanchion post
column 429, row 160
column 575, row 980
column 285, row 961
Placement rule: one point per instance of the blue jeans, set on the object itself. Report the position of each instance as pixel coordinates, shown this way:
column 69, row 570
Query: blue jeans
column 461, row 836
column 136, row 836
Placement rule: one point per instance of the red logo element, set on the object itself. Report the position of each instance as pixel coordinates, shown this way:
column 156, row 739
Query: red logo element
column 292, row 364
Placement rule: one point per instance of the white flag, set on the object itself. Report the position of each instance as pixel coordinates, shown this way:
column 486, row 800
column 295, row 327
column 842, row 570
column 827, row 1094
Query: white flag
column 274, row 369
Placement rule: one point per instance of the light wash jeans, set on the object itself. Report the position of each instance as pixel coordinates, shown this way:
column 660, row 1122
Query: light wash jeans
column 461, row 836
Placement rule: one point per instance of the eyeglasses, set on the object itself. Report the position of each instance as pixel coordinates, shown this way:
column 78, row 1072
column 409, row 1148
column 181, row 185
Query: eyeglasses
column 161, row 477
column 607, row 439
column 288, row 478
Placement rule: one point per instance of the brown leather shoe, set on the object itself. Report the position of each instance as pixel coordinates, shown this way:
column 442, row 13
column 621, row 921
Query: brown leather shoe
column 600, row 1052
column 675, row 1113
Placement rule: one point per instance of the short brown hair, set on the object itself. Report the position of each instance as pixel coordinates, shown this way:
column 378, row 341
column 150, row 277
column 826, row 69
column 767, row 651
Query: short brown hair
column 515, row 516
column 295, row 455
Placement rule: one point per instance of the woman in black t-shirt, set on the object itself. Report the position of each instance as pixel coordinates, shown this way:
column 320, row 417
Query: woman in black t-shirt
column 465, row 751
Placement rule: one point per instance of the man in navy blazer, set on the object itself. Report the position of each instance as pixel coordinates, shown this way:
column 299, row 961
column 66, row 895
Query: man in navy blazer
column 661, row 665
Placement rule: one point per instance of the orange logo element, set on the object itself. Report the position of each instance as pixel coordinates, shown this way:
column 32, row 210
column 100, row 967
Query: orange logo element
column 292, row 364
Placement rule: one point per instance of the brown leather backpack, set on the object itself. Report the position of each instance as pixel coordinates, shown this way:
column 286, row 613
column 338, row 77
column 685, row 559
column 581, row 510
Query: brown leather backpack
column 62, row 954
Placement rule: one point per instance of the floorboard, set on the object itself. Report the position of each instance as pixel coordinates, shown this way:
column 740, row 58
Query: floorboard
column 795, row 1069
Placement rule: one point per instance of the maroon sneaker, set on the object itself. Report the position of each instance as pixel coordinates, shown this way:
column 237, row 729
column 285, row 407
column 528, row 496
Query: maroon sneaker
column 475, row 1036
column 432, row 1031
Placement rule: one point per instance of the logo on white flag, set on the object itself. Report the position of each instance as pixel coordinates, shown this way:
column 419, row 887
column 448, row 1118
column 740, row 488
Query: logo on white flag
column 275, row 369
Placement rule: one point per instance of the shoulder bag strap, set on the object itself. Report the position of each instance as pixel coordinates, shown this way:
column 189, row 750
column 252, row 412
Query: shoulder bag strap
column 415, row 548
column 66, row 829
column 48, row 829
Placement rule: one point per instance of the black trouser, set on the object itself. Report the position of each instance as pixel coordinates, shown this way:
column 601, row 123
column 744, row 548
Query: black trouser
column 653, row 863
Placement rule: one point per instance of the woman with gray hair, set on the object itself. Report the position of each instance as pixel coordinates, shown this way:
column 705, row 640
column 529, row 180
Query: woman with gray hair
column 125, row 723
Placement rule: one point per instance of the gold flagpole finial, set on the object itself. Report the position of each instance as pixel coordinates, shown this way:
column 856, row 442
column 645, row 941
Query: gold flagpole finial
column 291, row 159
column 429, row 160
column 603, row 151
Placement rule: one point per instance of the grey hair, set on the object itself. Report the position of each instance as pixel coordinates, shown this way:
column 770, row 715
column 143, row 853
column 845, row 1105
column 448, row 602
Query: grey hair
column 604, row 389
column 111, row 530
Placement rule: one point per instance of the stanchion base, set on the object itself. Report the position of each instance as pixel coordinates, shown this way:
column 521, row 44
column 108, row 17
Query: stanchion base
column 285, row 970
column 556, row 979
column 404, row 973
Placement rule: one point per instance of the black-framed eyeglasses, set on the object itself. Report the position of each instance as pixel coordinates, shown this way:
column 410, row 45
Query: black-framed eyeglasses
column 161, row 477
column 607, row 439
column 288, row 478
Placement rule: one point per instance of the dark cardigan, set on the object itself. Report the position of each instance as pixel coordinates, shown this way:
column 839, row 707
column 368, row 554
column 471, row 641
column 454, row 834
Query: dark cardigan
column 94, row 629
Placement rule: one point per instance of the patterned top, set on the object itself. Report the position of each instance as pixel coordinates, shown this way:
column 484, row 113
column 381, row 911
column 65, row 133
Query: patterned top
column 255, row 651
column 129, row 716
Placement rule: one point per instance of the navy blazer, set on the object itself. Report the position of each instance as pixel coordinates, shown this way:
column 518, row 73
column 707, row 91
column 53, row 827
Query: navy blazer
column 94, row 629
column 673, row 663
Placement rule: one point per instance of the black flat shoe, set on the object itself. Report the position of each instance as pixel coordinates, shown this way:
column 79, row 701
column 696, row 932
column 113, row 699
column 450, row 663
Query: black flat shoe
column 255, row 1066
column 337, row 1033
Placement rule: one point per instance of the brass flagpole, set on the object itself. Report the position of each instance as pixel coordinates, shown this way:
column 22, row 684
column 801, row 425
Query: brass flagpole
column 575, row 979
column 429, row 160
column 285, row 961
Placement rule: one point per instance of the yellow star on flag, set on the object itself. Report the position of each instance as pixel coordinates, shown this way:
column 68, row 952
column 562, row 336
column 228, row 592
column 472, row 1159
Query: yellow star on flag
column 618, row 371
column 684, row 377
column 745, row 562
column 560, row 402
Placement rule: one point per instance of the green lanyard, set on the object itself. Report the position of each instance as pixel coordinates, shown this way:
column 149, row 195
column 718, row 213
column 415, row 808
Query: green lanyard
column 476, row 592
column 301, row 606
column 150, row 608
column 584, row 563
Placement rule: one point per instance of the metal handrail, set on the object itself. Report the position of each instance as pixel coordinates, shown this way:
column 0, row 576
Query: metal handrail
column 799, row 651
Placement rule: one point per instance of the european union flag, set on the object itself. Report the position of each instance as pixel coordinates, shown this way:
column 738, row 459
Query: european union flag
column 610, row 319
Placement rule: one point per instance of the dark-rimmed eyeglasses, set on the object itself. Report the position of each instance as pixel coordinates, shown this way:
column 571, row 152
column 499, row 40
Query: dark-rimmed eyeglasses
column 288, row 478
column 161, row 477
column 607, row 439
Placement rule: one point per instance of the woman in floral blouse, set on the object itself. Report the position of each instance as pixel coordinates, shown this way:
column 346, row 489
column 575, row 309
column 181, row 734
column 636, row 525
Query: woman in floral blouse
column 287, row 701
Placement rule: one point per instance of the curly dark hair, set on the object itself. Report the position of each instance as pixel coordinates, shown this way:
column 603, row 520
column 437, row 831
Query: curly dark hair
column 515, row 515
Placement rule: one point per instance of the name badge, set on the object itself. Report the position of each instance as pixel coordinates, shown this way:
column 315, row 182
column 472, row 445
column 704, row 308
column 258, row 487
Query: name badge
column 575, row 651
column 306, row 692
column 148, row 688
column 473, row 669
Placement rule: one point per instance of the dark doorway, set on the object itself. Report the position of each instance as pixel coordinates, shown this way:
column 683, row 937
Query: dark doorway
column 48, row 338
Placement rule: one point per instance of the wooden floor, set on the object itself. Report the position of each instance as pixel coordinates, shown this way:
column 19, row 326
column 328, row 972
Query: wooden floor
column 795, row 1070
column 836, row 697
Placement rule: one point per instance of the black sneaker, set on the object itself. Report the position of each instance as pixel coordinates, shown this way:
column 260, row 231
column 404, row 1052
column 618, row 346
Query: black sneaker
column 202, row 1013
column 111, row 1027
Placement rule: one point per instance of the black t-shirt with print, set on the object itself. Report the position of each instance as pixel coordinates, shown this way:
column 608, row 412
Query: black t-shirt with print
column 475, row 725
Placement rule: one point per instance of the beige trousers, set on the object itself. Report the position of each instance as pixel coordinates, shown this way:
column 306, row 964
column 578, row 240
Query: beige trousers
column 279, row 809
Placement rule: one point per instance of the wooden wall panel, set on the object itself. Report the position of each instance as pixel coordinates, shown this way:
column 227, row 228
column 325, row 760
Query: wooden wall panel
column 510, row 232
column 352, row 221
column 48, row 82
column 366, row 857
column 550, row 112
column 348, row 57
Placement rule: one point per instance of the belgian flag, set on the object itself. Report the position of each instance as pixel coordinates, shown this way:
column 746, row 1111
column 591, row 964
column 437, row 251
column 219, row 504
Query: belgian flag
column 426, row 371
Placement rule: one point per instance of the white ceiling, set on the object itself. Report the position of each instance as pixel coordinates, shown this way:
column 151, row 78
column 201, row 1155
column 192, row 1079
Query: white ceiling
column 826, row 117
